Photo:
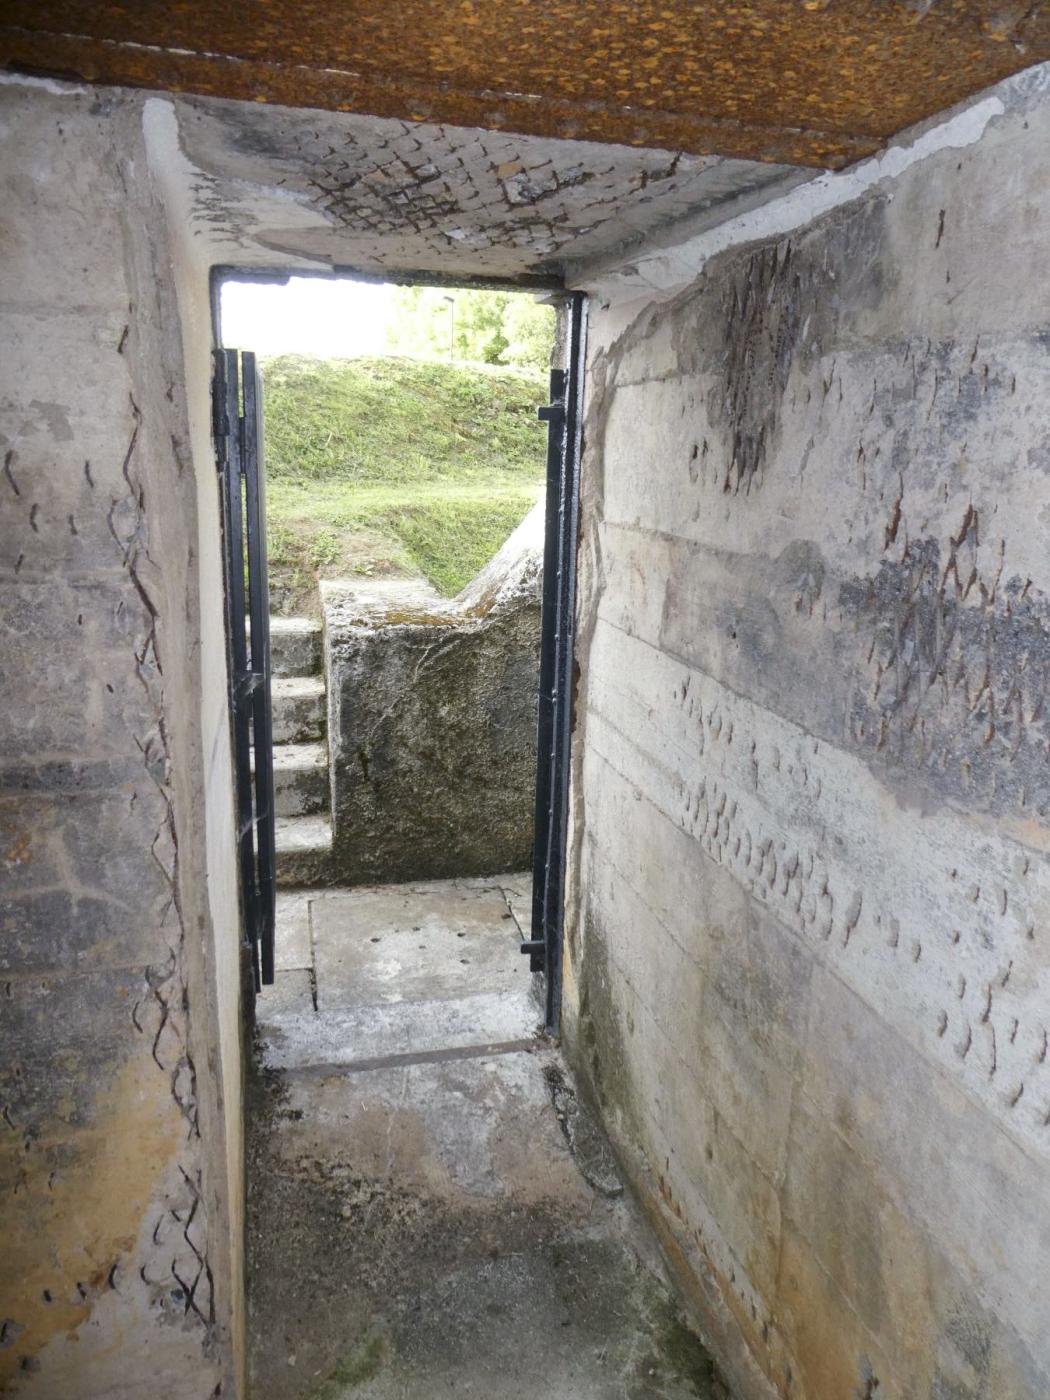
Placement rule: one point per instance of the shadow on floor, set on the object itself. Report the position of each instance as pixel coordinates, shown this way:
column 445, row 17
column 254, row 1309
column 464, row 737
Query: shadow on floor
column 419, row 1224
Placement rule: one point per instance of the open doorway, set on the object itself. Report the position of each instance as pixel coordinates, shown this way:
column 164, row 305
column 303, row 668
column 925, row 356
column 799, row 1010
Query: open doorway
column 401, row 432
column 401, row 708
column 402, row 704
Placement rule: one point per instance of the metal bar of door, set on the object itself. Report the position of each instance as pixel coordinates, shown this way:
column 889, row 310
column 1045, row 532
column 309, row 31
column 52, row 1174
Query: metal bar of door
column 554, row 713
column 237, row 414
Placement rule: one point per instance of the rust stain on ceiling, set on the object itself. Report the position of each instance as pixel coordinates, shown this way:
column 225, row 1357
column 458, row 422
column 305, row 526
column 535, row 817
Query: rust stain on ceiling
column 807, row 82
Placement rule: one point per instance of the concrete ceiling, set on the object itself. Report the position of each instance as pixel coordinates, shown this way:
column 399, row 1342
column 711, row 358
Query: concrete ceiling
column 275, row 187
column 811, row 82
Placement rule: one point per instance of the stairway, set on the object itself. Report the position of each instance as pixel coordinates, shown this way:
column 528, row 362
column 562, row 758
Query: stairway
column 300, row 752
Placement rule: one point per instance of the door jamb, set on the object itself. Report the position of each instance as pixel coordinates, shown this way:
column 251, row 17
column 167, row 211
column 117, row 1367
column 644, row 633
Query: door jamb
column 557, row 663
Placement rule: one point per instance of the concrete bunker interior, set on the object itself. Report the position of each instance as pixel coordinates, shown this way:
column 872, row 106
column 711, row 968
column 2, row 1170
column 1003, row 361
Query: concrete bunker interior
column 805, row 909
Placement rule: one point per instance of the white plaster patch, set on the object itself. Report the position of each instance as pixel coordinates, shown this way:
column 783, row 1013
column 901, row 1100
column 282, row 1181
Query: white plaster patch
column 245, row 204
column 666, row 271
column 57, row 89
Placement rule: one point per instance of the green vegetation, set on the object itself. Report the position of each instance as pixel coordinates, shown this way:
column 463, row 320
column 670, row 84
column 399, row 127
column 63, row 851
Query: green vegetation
column 394, row 467
column 359, row 1365
column 494, row 328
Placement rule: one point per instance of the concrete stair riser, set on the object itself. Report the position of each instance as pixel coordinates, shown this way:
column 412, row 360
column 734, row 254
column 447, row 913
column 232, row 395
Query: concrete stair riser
column 295, row 646
column 304, row 851
column 299, row 709
column 300, row 779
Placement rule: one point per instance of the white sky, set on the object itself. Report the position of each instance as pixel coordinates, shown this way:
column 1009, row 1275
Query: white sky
column 307, row 316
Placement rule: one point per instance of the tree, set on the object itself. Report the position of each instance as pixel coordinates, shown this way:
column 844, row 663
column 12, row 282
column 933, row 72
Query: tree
column 529, row 328
column 495, row 328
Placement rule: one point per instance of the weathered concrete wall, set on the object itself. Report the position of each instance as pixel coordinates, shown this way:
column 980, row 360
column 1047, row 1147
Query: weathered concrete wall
column 432, row 721
column 808, row 943
column 119, row 1273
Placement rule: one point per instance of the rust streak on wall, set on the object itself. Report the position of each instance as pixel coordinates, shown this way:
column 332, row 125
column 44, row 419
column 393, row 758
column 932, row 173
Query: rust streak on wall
column 102, row 1197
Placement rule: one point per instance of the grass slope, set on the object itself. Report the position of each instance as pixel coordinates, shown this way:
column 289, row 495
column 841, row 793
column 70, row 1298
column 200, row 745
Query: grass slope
column 390, row 466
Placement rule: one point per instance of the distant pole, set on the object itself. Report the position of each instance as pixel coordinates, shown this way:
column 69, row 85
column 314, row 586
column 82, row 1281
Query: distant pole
column 451, row 327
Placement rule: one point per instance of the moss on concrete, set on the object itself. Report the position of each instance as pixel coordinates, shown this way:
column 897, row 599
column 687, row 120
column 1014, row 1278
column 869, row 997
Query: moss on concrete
column 357, row 1366
column 686, row 1357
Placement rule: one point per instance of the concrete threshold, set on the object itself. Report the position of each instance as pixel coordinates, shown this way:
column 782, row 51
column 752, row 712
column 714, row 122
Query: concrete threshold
column 424, row 1057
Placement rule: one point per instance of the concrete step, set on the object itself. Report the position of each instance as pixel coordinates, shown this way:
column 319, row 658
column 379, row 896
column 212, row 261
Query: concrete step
column 300, row 779
column 299, row 709
column 304, row 851
column 295, row 646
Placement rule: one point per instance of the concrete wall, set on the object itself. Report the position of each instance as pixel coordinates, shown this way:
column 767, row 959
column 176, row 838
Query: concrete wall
column 118, row 1077
column 432, row 721
column 808, row 940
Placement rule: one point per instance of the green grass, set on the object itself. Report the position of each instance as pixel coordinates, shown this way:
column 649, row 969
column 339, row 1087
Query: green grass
column 395, row 467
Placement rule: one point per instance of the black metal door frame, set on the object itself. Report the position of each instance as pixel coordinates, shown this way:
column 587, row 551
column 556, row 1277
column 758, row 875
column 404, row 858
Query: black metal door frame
column 237, row 406
column 564, row 418
column 238, row 430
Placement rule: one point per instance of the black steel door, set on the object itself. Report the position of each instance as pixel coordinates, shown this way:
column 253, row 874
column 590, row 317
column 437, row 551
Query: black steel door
column 237, row 408
column 554, row 717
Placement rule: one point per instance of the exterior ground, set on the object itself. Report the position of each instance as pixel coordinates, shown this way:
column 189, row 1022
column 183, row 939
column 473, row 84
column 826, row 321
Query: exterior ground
column 395, row 468
column 432, row 1212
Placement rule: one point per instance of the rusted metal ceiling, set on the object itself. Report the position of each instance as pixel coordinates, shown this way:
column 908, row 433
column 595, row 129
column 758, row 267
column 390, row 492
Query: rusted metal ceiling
column 809, row 82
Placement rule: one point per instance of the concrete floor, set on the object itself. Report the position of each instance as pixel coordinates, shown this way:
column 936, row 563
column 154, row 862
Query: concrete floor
column 432, row 1212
